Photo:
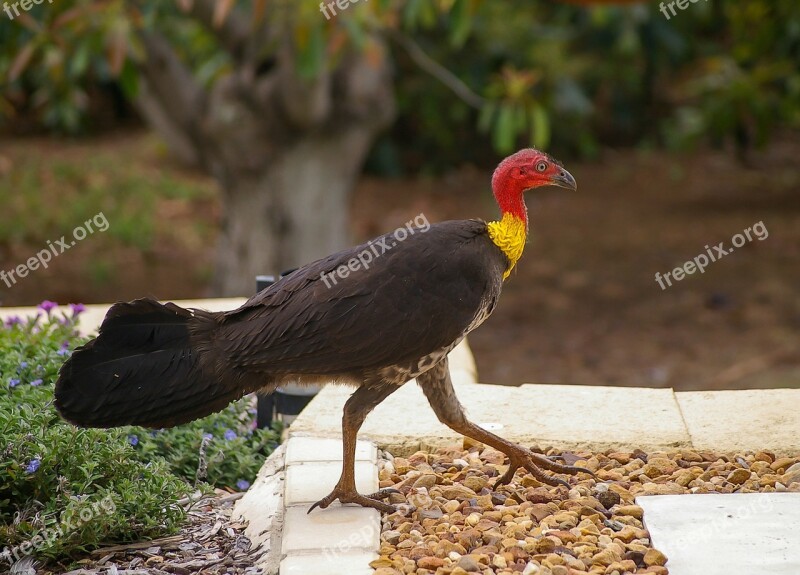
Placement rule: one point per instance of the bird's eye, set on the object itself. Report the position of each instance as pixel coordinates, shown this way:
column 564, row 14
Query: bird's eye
column 541, row 166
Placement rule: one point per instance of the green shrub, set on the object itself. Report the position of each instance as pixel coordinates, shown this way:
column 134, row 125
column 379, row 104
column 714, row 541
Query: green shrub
column 232, row 448
column 64, row 490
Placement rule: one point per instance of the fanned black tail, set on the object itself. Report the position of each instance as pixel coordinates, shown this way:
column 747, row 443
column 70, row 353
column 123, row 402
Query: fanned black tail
column 150, row 365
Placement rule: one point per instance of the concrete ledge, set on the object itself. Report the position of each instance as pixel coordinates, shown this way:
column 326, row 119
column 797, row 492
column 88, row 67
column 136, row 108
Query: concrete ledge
column 743, row 420
column 332, row 531
column 562, row 416
column 314, row 449
column 307, row 483
column 347, row 563
column 338, row 540
column 599, row 418
column 263, row 509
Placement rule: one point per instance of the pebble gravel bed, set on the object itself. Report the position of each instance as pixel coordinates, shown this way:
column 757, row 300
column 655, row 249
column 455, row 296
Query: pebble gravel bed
column 453, row 522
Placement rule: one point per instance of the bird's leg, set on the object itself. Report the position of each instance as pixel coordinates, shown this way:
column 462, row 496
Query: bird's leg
column 438, row 388
column 363, row 400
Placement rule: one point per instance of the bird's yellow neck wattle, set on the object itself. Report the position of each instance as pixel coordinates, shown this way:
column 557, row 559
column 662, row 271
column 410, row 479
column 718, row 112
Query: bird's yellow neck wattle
column 509, row 234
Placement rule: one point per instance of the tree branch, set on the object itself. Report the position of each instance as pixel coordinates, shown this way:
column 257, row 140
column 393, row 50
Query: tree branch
column 305, row 101
column 170, row 97
column 438, row 71
column 232, row 30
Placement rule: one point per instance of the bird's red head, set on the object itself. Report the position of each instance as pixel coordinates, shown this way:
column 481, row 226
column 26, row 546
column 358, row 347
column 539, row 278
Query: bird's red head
column 522, row 171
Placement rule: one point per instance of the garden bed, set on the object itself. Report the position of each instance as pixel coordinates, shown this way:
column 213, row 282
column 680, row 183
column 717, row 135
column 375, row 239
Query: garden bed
column 211, row 542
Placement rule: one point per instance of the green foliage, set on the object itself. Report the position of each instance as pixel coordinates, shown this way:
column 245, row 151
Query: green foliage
column 746, row 87
column 50, row 54
column 233, row 449
column 569, row 77
column 77, row 488
column 551, row 74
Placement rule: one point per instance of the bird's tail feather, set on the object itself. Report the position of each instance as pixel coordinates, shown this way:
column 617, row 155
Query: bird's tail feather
column 150, row 365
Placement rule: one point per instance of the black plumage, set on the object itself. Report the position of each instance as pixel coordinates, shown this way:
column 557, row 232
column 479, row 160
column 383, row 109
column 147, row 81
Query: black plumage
column 159, row 365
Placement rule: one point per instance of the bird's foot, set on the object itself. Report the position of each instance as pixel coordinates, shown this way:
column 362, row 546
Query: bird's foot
column 352, row 496
column 533, row 462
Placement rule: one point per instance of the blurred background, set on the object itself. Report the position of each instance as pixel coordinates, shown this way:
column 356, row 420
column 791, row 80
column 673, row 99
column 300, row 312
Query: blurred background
column 224, row 139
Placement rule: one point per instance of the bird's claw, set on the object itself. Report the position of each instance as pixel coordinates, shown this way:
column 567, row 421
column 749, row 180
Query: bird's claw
column 372, row 500
column 533, row 463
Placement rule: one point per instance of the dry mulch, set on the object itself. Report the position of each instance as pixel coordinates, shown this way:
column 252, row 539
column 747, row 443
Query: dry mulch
column 210, row 543
column 460, row 525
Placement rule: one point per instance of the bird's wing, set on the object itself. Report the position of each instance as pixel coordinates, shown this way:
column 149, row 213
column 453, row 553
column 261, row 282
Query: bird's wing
column 413, row 298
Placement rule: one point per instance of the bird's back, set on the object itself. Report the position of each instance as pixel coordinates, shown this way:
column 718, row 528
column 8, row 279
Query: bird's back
column 390, row 301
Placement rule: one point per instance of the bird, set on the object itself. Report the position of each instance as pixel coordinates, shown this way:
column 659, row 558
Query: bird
column 374, row 326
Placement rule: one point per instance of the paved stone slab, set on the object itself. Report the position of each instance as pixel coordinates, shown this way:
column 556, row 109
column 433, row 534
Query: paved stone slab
column 307, row 483
column 597, row 417
column 562, row 416
column 352, row 563
column 337, row 529
column 743, row 420
column 308, row 449
column 722, row 534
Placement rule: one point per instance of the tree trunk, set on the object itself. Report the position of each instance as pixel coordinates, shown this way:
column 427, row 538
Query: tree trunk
column 286, row 148
column 294, row 212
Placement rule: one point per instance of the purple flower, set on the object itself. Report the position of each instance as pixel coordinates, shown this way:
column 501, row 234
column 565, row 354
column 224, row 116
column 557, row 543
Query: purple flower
column 36, row 382
column 62, row 352
column 47, row 306
column 33, row 466
column 242, row 485
column 13, row 320
column 208, row 436
column 13, row 382
column 22, row 365
column 133, row 440
column 77, row 308
column 229, row 435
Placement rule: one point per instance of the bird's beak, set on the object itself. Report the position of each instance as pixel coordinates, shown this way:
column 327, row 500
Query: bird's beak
column 564, row 180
